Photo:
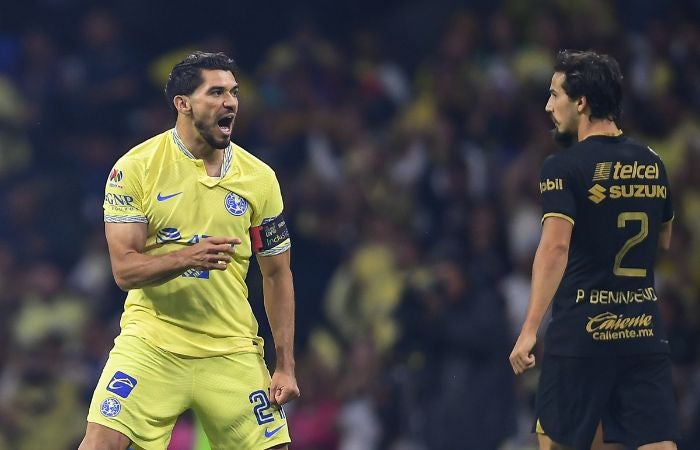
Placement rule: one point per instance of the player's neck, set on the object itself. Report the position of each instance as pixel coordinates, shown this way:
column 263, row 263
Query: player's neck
column 597, row 127
column 197, row 146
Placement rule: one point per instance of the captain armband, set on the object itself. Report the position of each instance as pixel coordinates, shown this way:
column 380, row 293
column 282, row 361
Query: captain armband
column 269, row 235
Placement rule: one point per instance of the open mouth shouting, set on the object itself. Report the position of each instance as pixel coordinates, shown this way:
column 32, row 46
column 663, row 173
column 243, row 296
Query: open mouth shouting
column 225, row 123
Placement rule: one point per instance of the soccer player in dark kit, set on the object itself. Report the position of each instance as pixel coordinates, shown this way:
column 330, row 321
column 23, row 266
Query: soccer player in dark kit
column 606, row 375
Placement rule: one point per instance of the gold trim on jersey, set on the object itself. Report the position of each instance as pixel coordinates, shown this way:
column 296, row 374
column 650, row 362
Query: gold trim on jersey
column 538, row 427
column 560, row 215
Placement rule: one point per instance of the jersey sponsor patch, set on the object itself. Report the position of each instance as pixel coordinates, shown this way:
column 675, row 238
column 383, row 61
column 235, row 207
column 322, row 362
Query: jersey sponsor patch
column 608, row 326
column 602, row 171
column 551, row 185
column 597, row 193
column 119, row 200
column 121, row 384
column 196, row 273
column 235, row 204
column 636, row 170
column 110, row 407
column 116, row 175
column 269, row 235
column 167, row 234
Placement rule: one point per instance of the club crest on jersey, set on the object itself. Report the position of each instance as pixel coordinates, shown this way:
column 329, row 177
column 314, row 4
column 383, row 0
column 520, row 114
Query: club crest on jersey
column 110, row 407
column 235, row 205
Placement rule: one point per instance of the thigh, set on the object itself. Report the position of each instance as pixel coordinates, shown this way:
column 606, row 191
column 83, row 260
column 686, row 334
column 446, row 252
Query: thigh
column 232, row 402
column 141, row 392
column 643, row 409
column 571, row 397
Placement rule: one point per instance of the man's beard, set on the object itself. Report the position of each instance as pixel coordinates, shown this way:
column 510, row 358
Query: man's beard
column 209, row 138
column 563, row 138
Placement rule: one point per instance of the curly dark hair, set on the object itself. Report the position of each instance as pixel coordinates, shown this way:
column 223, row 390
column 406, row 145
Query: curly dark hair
column 594, row 76
column 186, row 76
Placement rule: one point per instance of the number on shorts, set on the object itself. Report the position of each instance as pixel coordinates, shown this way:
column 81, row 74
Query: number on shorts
column 262, row 404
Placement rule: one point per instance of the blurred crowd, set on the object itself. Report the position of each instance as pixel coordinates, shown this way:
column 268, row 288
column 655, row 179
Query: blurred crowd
column 410, row 181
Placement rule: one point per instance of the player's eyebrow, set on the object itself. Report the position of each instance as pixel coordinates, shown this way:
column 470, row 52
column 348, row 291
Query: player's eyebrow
column 223, row 88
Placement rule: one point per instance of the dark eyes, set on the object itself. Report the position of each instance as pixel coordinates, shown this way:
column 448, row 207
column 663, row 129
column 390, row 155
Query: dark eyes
column 220, row 92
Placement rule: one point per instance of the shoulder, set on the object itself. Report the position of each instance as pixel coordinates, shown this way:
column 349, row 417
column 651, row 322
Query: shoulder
column 251, row 164
column 561, row 161
column 645, row 149
column 642, row 152
column 141, row 155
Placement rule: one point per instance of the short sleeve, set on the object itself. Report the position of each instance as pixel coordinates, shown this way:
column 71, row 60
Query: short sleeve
column 272, row 207
column 556, row 187
column 124, row 193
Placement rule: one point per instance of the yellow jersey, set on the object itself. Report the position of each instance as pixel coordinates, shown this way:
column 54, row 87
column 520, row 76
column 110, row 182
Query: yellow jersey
column 161, row 184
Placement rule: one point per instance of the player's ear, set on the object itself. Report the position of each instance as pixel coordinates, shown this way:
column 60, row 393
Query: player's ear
column 182, row 104
column 581, row 104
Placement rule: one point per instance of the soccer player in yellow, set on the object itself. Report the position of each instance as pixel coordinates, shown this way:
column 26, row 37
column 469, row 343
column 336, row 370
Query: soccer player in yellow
column 184, row 212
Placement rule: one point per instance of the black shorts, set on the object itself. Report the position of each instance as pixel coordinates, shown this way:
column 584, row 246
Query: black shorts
column 632, row 396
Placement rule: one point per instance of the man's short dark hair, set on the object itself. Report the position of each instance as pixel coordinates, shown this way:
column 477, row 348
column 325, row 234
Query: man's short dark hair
column 186, row 76
column 594, row 76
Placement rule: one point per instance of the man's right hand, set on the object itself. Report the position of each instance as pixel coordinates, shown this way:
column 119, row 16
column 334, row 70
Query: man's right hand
column 211, row 253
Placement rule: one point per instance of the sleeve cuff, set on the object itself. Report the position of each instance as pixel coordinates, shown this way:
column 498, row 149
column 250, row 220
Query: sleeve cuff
column 125, row 219
column 560, row 215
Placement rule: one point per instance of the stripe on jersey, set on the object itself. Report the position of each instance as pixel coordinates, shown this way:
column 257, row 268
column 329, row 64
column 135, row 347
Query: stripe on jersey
column 125, row 219
column 277, row 250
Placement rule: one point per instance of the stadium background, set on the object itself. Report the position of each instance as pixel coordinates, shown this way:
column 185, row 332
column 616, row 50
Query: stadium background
column 407, row 137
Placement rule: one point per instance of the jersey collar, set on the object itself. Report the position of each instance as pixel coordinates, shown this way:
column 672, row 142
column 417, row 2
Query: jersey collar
column 228, row 152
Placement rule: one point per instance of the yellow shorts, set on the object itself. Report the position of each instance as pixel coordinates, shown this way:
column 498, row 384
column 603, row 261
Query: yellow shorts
column 143, row 389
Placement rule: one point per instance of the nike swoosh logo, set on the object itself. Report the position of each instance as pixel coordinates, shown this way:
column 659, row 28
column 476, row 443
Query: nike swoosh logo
column 270, row 433
column 162, row 198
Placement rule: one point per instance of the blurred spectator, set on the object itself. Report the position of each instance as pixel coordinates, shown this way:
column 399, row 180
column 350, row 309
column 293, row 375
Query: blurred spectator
column 16, row 154
column 314, row 418
column 456, row 334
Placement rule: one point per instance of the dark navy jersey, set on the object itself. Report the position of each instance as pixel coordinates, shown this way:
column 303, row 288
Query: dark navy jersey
column 615, row 192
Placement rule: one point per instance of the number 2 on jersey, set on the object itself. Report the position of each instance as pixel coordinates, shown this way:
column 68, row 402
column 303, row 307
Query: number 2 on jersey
column 622, row 220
